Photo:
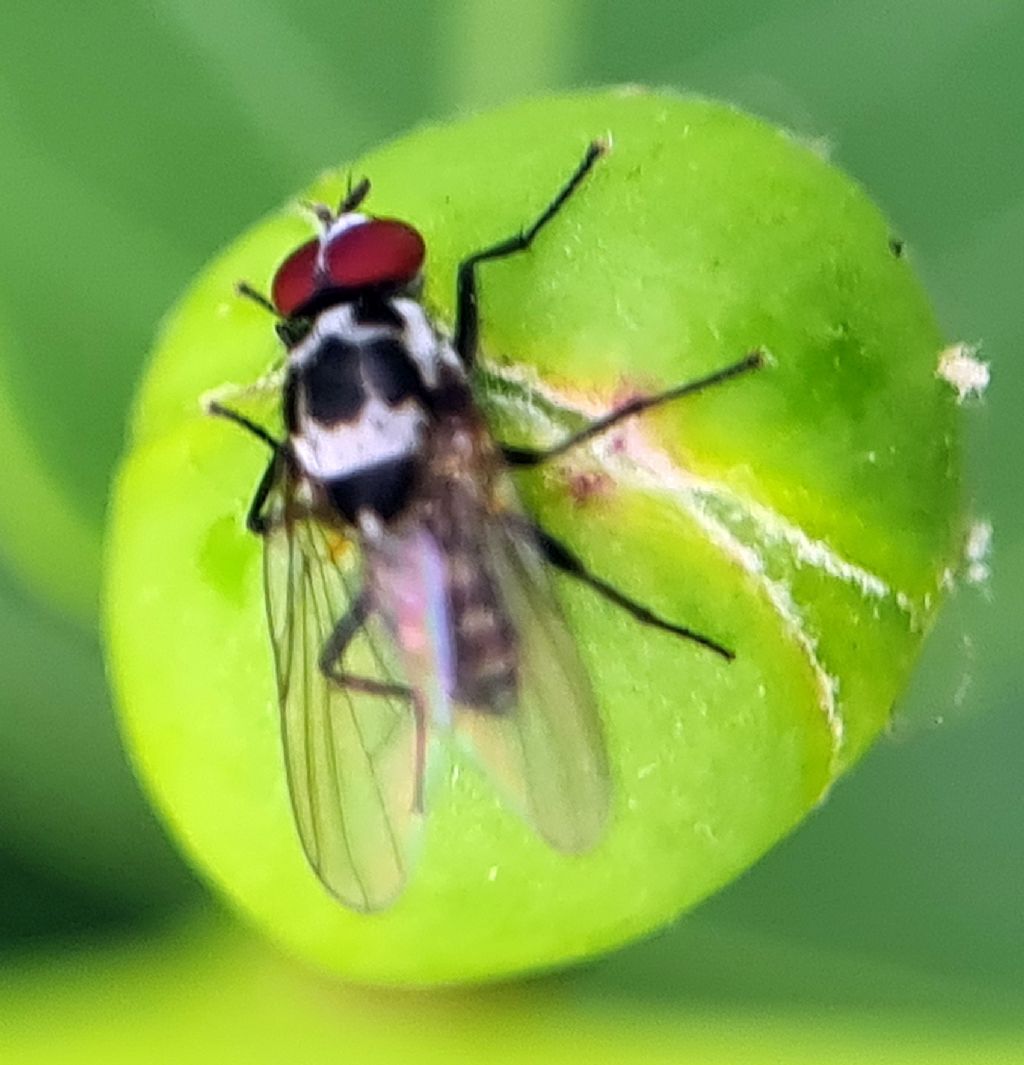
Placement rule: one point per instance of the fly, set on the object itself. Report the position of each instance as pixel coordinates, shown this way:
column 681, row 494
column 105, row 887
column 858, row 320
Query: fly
column 408, row 594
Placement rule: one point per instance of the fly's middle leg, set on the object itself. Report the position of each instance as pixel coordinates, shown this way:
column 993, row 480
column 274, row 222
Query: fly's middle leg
column 329, row 662
column 255, row 520
column 526, row 457
column 334, row 649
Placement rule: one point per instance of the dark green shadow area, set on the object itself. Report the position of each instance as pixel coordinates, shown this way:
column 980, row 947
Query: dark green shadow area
column 35, row 908
column 902, row 894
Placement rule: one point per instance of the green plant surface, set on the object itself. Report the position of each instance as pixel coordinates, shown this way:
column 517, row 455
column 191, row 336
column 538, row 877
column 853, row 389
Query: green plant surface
column 807, row 516
column 212, row 995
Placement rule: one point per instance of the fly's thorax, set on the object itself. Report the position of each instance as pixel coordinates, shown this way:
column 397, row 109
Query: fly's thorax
column 399, row 319
column 364, row 386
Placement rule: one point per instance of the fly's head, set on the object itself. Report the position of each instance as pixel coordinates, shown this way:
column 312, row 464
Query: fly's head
column 355, row 254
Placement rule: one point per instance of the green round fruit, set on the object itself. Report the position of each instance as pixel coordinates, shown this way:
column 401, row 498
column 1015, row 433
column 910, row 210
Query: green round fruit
column 807, row 516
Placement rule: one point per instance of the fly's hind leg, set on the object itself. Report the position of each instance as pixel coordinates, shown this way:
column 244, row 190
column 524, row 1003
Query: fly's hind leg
column 559, row 556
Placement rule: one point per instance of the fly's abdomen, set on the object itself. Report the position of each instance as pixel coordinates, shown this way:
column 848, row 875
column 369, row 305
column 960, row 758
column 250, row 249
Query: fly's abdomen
column 485, row 645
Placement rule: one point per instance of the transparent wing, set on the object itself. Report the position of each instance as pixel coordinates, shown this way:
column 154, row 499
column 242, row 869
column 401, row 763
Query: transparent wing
column 349, row 755
column 259, row 400
column 546, row 750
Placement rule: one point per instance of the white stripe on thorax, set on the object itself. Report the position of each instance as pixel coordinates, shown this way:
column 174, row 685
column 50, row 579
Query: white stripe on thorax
column 380, row 433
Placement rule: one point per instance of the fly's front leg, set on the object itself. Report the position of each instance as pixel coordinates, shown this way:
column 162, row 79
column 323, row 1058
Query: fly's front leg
column 255, row 520
column 526, row 457
column 244, row 289
column 467, row 317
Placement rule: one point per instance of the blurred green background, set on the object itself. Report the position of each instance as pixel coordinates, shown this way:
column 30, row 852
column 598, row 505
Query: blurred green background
column 138, row 138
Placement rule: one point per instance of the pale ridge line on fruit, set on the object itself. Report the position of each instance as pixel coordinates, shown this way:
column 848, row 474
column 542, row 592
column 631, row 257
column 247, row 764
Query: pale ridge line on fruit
column 630, row 455
column 685, row 490
column 270, row 383
column 777, row 593
column 775, row 527
column 650, row 470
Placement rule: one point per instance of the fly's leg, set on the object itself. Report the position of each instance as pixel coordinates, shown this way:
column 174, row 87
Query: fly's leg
column 219, row 411
column 559, row 556
column 333, row 650
column 273, row 381
column 255, row 520
column 419, row 711
column 329, row 663
column 526, row 457
column 243, row 288
column 289, row 330
column 467, row 318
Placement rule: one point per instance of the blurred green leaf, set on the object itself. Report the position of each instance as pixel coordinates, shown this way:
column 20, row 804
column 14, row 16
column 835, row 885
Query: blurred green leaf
column 69, row 803
column 53, row 548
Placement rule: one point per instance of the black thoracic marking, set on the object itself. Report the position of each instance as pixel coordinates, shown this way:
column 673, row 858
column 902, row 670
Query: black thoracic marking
column 333, row 391
column 451, row 396
column 383, row 488
column 373, row 308
column 390, row 372
column 290, row 404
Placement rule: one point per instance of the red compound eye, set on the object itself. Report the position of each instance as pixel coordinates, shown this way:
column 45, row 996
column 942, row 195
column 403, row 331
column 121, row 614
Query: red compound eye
column 296, row 279
column 381, row 251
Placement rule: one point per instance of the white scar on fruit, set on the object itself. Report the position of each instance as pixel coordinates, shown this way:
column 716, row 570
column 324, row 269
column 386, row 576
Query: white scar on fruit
column 960, row 367
column 746, row 531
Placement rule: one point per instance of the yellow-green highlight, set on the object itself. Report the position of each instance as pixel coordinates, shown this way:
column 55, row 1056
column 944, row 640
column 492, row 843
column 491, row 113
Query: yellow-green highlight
column 205, row 992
